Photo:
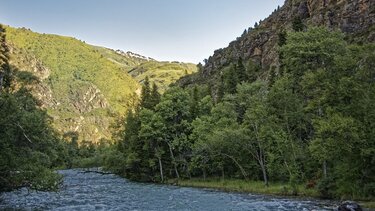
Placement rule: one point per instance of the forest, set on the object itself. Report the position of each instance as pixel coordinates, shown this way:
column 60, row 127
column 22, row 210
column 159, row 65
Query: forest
column 311, row 123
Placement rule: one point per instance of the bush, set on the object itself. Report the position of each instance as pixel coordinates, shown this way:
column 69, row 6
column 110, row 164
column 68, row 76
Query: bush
column 327, row 187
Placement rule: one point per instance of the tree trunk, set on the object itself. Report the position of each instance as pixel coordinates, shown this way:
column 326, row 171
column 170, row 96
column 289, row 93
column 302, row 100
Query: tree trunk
column 161, row 169
column 204, row 174
column 244, row 174
column 264, row 172
column 174, row 161
column 325, row 169
column 222, row 173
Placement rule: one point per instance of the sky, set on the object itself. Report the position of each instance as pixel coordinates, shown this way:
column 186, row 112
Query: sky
column 166, row 30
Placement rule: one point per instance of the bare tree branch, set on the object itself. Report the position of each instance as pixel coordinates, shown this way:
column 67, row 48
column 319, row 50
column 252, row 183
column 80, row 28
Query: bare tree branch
column 24, row 134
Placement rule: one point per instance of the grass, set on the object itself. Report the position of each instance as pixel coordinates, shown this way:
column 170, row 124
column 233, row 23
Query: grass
column 257, row 187
column 162, row 73
column 237, row 185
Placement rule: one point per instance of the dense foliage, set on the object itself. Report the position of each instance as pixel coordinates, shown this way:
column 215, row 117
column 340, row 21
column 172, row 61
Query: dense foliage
column 29, row 147
column 311, row 124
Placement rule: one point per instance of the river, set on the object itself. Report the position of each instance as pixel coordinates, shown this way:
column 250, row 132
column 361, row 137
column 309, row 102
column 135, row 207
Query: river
column 93, row 191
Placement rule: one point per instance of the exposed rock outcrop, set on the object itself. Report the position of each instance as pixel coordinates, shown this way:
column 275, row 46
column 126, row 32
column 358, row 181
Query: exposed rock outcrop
column 87, row 98
column 354, row 17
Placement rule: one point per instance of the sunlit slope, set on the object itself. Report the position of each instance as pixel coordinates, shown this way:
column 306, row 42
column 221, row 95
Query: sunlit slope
column 81, row 89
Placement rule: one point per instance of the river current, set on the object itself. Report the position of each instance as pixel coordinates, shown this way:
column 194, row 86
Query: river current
column 93, row 191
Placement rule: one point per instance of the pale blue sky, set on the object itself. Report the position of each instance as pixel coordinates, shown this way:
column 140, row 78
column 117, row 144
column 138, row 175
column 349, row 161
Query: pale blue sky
column 174, row 30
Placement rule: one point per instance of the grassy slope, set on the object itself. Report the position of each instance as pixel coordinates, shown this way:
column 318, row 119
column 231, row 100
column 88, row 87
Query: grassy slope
column 125, row 62
column 162, row 73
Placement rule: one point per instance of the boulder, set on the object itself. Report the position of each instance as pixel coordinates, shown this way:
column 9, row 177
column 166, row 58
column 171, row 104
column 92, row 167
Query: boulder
column 349, row 206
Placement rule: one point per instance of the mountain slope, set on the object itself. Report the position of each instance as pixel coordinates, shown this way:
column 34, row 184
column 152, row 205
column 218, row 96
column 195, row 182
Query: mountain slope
column 83, row 87
column 260, row 44
column 162, row 73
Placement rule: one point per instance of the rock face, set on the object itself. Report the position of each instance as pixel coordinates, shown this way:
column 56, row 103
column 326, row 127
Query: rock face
column 87, row 98
column 354, row 17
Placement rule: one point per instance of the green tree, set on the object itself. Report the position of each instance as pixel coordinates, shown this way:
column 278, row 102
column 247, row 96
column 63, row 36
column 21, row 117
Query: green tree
column 240, row 71
column 230, row 79
column 5, row 70
column 297, row 24
column 175, row 112
column 152, row 133
column 146, row 94
column 257, row 124
column 194, row 110
column 154, row 96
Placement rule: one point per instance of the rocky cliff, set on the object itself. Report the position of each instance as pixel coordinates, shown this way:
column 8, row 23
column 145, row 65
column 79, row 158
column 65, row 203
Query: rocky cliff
column 356, row 18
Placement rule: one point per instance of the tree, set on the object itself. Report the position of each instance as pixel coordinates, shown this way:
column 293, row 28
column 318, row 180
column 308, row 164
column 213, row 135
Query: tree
column 175, row 113
column 152, row 133
column 146, row 94
column 28, row 144
column 297, row 24
column 220, row 89
column 311, row 50
column 281, row 38
column 5, row 70
column 194, row 109
column 244, row 33
column 240, row 71
column 154, row 96
column 324, row 73
column 230, row 79
column 257, row 124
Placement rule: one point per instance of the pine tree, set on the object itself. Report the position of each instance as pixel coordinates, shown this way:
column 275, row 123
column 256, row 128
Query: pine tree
column 155, row 96
column 194, row 109
column 240, row 71
column 220, row 91
column 244, row 33
column 282, row 38
column 5, row 71
column 146, row 94
column 297, row 24
column 230, row 81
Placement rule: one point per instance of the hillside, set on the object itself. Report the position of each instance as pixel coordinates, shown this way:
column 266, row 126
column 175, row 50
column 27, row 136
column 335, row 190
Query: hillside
column 83, row 87
column 163, row 73
column 259, row 44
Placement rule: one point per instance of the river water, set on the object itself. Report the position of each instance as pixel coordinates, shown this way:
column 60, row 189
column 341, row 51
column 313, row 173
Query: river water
column 93, row 191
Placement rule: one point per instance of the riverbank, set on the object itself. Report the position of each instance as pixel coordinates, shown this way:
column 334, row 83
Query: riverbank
column 236, row 185
column 257, row 187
